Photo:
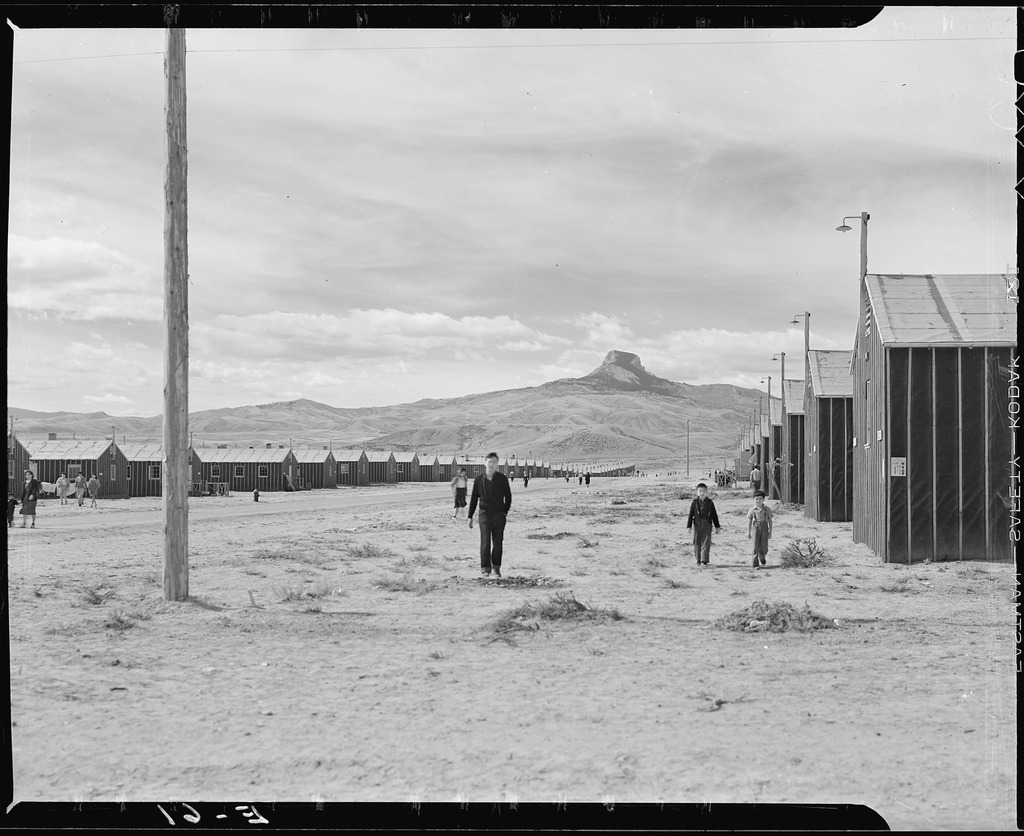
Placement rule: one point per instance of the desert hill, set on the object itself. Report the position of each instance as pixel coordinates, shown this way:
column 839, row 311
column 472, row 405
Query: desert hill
column 619, row 410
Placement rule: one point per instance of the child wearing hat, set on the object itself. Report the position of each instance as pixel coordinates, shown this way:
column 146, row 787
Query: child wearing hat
column 759, row 524
column 702, row 516
column 11, row 505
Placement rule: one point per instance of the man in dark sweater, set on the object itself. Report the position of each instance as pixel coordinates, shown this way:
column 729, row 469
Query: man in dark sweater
column 492, row 491
column 702, row 516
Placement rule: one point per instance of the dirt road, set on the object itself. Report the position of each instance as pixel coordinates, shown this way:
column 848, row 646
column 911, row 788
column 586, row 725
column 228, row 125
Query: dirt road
column 147, row 511
column 374, row 665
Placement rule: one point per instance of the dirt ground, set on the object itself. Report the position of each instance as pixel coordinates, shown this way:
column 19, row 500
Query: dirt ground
column 369, row 669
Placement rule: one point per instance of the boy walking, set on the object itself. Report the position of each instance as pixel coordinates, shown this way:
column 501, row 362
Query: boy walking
column 759, row 524
column 11, row 505
column 492, row 491
column 702, row 516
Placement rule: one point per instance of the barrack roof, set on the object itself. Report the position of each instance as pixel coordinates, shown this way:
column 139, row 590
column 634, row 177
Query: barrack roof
column 951, row 309
column 830, row 373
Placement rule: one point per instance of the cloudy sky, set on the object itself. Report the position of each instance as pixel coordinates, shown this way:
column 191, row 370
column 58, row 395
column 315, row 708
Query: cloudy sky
column 381, row 216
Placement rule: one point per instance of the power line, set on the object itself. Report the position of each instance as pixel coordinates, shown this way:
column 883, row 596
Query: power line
column 524, row 46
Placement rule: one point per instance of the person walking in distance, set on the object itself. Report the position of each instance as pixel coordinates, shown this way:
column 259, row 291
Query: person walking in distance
column 63, row 487
column 80, row 489
column 759, row 524
column 587, row 478
column 29, row 495
column 494, row 495
column 702, row 516
column 459, row 490
column 94, row 490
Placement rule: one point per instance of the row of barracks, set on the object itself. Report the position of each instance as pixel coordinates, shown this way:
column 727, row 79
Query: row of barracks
column 909, row 436
column 132, row 470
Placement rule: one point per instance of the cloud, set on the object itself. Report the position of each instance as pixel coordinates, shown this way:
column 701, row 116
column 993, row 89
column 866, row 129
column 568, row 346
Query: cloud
column 375, row 333
column 84, row 280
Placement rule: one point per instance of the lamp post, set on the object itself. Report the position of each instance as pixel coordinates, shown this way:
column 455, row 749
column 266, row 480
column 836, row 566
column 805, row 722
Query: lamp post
column 806, row 316
column 785, row 436
column 864, row 217
column 766, row 449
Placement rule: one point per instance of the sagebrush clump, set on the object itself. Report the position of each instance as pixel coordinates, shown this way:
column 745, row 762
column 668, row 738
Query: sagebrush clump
column 779, row 617
column 803, row 554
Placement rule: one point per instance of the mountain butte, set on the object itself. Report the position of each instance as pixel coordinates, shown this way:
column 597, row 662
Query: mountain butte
column 618, row 411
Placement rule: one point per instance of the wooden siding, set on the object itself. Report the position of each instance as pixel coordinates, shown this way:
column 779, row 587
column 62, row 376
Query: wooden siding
column 940, row 397
column 828, row 486
column 140, row 481
column 17, row 464
column 381, row 470
column 953, row 502
column 242, row 474
column 870, row 393
column 428, row 469
column 318, row 475
column 407, row 467
column 110, row 467
column 796, row 463
column 352, row 470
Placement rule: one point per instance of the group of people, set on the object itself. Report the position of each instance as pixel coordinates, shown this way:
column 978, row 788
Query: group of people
column 492, row 495
column 512, row 477
column 703, row 515
column 32, row 488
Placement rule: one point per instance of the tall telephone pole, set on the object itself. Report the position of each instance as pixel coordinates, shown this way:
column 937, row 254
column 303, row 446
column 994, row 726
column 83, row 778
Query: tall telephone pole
column 175, row 437
column 687, row 446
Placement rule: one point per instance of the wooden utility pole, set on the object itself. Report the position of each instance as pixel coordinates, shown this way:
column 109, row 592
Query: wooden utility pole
column 175, row 464
column 784, row 456
column 687, row 446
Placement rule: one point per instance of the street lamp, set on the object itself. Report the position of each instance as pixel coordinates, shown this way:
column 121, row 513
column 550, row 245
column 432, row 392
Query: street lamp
column 864, row 216
column 785, row 422
column 806, row 317
column 764, row 447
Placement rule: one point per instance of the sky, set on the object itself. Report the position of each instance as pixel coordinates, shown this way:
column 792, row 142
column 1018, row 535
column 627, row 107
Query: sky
column 376, row 217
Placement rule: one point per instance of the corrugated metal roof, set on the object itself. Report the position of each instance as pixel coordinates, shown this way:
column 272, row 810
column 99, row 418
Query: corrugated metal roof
column 830, row 374
column 942, row 309
column 66, row 449
column 143, row 452
column 242, row 454
column 377, row 456
column 404, row 457
column 348, row 455
column 312, row 456
column 794, row 397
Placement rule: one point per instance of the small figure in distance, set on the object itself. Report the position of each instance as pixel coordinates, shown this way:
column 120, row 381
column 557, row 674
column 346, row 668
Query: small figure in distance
column 459, row 484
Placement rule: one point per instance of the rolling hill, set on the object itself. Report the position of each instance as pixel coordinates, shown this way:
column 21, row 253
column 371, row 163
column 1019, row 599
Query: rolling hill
column 618, row 411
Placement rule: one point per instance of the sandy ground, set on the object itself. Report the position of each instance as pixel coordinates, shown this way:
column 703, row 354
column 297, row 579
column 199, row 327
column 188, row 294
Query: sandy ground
column 371, row 694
